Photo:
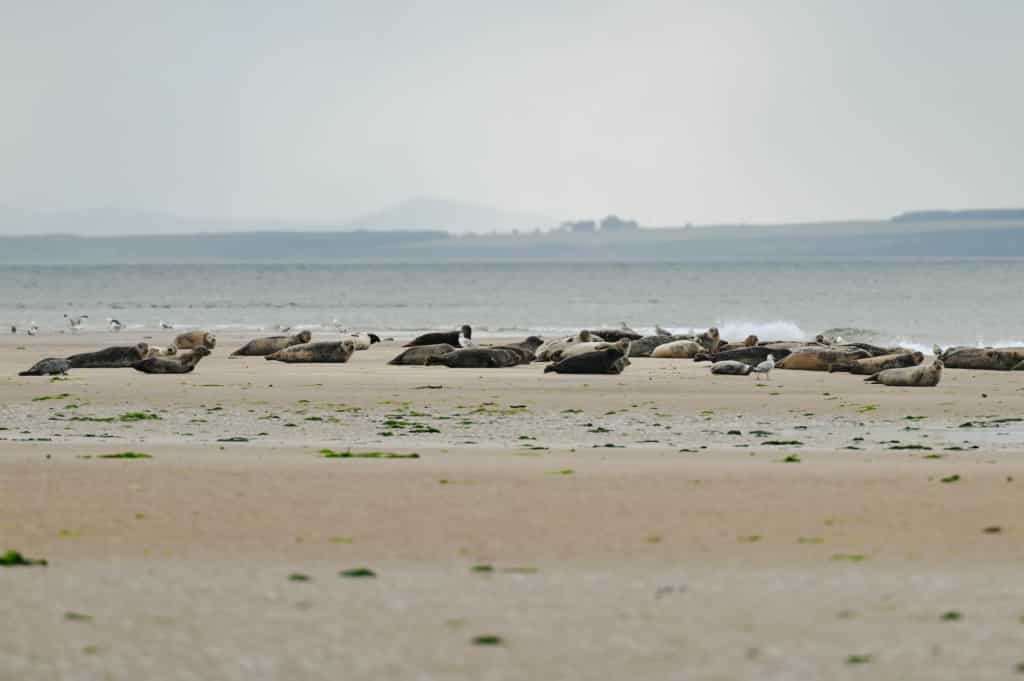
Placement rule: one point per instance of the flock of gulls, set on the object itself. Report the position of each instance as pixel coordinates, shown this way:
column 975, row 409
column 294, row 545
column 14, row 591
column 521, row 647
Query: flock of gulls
column 589, row 351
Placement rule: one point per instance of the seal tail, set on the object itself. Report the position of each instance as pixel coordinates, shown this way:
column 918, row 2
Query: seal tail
column 549, row 368
column 873, row 378
column 29, row 373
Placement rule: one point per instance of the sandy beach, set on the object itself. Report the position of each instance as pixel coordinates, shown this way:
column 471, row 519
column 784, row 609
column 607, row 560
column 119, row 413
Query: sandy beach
column 663, row 523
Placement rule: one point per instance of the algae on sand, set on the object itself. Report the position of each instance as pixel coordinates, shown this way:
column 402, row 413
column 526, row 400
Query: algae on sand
column 125, row 455
column 16, row 559
column 348, row 454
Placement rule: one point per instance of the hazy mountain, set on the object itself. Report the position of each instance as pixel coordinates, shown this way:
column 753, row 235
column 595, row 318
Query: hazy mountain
column 456, row 217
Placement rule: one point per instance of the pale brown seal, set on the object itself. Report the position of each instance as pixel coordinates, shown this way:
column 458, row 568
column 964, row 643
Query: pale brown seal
column 337, row 352
column 195, row 339
column 924, row 376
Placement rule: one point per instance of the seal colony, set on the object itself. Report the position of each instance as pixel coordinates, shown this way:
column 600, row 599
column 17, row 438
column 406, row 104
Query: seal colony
column 588, row 351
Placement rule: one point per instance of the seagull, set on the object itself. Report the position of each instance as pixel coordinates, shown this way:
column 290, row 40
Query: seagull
column 936, row 350
column 764, row 367
column 166, row 325
column 33, row 329
column 115, row 325
column 75, row 322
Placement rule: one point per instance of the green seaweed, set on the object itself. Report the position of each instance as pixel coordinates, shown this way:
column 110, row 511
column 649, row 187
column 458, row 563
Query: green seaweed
column 125, row 455
column 849, row 557
column 348, row 454
column 792, row 458
column 858, row 659
column 357, row 573
column 782, row 443
column 15, row 559
column 482, row 568
column 951, row 616
column 77, row 617
column 298, row 577
column 951, row 478
column 44, row 398
column 138, row 416
column 487, row 640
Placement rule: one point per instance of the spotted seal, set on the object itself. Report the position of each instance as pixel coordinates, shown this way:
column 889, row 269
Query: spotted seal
column 116, row 357
column 923, row 376
column 195, row 339
column 261, row 347
column 610, row 360
column 337, row 352
column 182, row 364
column 51, row 366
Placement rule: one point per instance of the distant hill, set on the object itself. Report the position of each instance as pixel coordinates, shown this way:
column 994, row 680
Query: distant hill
column 456, row 217
column 1008, row 214
column 870, row 240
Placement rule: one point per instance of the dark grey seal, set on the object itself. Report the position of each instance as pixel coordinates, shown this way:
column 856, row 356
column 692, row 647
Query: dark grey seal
column 51, row 366
column 479, row 358
column 437, row 337
column 182, row 364
column 610, row 360
column 117, row 357
column 418, row 356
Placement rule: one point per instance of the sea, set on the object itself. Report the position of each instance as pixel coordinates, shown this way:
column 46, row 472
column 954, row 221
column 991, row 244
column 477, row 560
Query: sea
column 915, row 303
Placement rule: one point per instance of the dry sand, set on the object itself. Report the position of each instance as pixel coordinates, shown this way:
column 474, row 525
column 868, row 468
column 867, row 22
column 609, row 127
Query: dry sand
column 638, row 526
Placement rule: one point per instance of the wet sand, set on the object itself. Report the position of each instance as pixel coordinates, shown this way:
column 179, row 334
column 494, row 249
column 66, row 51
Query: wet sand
column 637, row 526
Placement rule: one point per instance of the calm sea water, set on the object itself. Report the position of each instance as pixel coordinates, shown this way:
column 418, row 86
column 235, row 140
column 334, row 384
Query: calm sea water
column 917, row 302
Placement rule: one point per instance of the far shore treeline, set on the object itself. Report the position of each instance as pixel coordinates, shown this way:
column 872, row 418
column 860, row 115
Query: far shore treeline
column 925, row 234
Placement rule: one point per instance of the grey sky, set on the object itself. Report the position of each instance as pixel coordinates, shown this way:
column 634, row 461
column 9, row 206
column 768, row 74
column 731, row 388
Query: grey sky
column 663, row 111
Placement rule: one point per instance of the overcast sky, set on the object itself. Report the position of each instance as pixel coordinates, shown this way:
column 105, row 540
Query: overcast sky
column 666, row 112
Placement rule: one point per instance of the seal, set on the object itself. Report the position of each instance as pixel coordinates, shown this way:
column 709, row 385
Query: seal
column 986, row 359
column 615, row 335
column 117, row 357
column 680, row 349
column 195, row 339
column 924, row 376
column 183, row 364
column 545, row 352
column 872, row 365
column 577, row 349
column 337, row 352
column 438, row 337
column 364, row 340
column 478, row 358
column 418, row 355
column 527, row 349
column 646, row 345
column 731, row 368
column 610, row 360
column 169, row 351
column 261, row 347
column 753, row 355
column 51, row 366
column 820, row 358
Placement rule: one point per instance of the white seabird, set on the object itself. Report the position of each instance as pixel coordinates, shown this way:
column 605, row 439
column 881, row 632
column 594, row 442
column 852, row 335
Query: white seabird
column 75, row 322
column 764, row 367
